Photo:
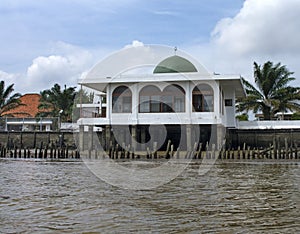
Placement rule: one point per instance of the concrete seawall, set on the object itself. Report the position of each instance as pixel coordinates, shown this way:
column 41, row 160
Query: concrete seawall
column 234, row 138
column 262, row 138
column 240, row 144
column 34, row 139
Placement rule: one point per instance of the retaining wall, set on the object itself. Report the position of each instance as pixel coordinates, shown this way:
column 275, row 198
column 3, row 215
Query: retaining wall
column 34, row 139
column 262, row 138
column 234, row 138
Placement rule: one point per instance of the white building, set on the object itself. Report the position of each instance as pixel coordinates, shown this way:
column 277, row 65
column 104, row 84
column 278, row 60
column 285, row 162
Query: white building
column 178, row 95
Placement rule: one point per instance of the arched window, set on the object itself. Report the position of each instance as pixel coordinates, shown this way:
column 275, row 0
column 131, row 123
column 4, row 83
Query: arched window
column 152, row 100
column 173, row 99
column 149, row 99
column 122, row 100
column 203, row 98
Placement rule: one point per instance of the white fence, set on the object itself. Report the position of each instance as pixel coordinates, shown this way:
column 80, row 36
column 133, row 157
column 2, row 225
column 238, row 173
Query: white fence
column 277, row 124
column 29, row 124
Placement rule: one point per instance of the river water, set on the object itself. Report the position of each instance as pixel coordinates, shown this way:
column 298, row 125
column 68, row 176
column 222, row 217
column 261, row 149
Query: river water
column 233, row 197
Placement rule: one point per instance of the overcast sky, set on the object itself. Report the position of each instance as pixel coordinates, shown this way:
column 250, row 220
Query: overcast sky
column 56, row 41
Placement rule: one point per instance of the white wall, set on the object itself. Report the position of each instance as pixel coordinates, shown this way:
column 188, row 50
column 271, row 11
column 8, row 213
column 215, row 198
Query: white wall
column 229, row 110
column 187, row 117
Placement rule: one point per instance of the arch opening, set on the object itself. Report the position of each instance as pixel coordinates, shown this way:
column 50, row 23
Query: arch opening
column 122, row 100
column 174, row 64
column 203, row 98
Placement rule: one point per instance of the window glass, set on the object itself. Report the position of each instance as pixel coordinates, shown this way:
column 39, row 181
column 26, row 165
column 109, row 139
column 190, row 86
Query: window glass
column 144, row 104
column 173, row 99
column 167, row 104
column 203, row 98
column 155, row 104
column 179, row 104
column 127, row 104
column 121, row 100
column 153, row 100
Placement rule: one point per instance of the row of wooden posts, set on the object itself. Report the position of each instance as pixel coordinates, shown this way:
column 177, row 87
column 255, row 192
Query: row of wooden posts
column 199, row 151
column 208, row 151
column 47, row 152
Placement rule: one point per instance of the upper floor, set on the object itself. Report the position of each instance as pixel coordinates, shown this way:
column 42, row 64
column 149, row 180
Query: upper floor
column 177, row 90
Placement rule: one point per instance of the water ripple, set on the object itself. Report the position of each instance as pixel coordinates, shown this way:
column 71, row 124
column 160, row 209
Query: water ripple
column 43, row 197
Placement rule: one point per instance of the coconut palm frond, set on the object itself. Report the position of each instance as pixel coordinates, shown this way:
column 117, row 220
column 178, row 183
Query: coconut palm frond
column 57, row 102
column 8, row 99
column 272, row 94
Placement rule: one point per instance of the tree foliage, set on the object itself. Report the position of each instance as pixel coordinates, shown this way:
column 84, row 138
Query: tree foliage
column 242, row 117
column 272, row 93
column 56, row 102
column 295, row 116
column 83, row 96
column 8, row 99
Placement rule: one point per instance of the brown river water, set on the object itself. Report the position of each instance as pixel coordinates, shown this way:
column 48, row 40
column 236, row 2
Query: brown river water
column 233, row 197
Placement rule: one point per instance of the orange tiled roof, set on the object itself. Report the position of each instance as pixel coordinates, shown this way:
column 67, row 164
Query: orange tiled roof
column 30, row 107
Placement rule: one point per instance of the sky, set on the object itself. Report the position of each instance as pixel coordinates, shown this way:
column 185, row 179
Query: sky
column 58, row 41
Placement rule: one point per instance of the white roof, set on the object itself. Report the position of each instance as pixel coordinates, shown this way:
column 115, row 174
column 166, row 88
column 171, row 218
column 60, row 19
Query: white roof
column 136, row 64
column 133, row 58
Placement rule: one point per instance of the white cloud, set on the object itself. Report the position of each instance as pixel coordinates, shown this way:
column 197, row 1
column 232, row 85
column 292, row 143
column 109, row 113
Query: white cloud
column 262, row 31
column 135, row 43
column 63, row 69
column 10, row 78
column 166, row 13
column 269, row 27
column 49, row 68
column 65, row 66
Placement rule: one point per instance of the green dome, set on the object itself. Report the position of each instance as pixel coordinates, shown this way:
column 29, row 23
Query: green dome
column 174, row 64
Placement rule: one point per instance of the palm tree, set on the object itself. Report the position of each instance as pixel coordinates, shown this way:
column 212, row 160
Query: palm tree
column 287, row 99
column 8, row 100
column 272, row 94
column 55, row 102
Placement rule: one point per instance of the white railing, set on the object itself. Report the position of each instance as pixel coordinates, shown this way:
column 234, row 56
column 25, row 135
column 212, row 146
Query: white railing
column 277, row 124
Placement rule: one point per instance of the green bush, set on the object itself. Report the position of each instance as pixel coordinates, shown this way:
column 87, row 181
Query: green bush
column 242, row 117
column 296, row 116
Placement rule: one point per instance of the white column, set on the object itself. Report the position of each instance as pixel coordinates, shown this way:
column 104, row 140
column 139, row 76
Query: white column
column 188, row 137
column 135, row 104
column 108, row 101
column 188, row 98
column 133, row 136
column 90, row 137
column 107, row 136
column 81, row 137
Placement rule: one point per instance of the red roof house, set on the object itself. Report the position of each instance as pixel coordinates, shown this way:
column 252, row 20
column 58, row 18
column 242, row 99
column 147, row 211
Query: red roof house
column 29, row 108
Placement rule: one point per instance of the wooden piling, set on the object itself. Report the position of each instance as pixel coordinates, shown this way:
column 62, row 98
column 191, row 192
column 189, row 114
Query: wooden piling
column 132, row 153
column 117, row 151
column 51, row 152
column 176, row 155
column 58, row 153
column 213, row 150
column 155, row 150
column 286, row 149
column 167, row 154
column 96, row 154
column 296, row 150
column 55, row 152
column 20, row 153
column 15, row 152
